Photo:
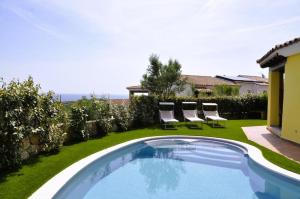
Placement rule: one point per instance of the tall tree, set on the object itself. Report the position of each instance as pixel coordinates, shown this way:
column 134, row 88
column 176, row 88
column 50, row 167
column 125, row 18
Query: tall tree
column 163, row 79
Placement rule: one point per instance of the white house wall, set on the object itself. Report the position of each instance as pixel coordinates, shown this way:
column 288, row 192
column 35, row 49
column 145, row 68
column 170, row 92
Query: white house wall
column 187, row 91
column 252, row 88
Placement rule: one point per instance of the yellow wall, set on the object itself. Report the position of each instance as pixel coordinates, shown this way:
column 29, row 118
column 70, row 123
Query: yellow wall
column 291, row 100
column 273, row 98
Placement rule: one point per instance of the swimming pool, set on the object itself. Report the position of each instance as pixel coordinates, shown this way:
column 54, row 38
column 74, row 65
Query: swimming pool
column 178, row 167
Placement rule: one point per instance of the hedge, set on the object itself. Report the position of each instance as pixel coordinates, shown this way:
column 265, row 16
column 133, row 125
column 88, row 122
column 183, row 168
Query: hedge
column 145, row 108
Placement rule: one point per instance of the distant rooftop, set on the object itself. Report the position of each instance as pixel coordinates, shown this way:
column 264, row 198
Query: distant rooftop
column 256, row 78
column 197, row 80
column 137, row 88
column 234, row 78
column 202, row 81
column 243, row 78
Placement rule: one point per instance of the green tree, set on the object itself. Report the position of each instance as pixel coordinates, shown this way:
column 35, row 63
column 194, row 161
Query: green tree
column 163, row 79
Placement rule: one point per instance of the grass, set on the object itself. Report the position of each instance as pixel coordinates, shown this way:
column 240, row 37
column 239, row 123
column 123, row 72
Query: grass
column 22, row 183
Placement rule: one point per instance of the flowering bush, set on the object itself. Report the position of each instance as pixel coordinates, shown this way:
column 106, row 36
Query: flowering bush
column 78, row 120
column 51, row 135
column 25, row 113
column 122, row 116
column 103, row 115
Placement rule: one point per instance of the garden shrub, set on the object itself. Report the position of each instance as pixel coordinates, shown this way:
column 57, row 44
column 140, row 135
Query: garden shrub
column 144, row 110
column 51, row 134
column 122, row 117
column 78, row 119
column 24, row 113
column 226, row 90
column 98, row 110
column 90, row 106
column 103, row 116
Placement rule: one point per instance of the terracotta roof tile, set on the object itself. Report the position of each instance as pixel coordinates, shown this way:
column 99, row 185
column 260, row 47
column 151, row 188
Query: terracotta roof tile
column 199, row 81
column 277, row 47
column 119, row 101
column 137, row 88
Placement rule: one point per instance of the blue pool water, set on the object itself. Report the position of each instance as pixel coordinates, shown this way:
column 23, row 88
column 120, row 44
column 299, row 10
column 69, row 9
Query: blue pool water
column 181, row 169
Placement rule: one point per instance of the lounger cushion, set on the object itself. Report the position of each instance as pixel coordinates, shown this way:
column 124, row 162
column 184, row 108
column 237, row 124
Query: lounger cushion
column 169, row 120
column 194, row 119
column 213, row 115
column 191, row 115
column 167, row 116
column 216, row 118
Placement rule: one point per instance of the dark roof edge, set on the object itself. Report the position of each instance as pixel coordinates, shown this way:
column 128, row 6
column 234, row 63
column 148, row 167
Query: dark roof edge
column 277, row 47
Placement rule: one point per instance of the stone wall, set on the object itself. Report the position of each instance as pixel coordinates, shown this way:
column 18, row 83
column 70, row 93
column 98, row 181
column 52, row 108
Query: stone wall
column 91, row 127
column 30, row 145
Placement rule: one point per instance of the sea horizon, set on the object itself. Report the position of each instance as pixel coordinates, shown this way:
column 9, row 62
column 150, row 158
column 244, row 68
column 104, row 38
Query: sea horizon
column 65, row 97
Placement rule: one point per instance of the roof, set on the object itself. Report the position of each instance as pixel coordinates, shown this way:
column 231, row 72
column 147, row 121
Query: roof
column 275, row 51
column 199, row 81
column 137, row 88
column 244, row 78
column 235, row 79
column 119, row 101
column 256, row 78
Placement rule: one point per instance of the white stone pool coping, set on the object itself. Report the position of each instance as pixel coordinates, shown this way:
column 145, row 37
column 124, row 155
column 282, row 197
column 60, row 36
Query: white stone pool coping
column 52, row 186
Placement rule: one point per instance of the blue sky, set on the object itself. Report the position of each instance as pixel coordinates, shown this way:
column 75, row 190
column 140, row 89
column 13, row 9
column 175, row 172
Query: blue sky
column 95, row 46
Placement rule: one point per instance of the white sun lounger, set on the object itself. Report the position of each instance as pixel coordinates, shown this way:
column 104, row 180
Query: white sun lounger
column 167, row 116
column 191, row 115
column 212, row 115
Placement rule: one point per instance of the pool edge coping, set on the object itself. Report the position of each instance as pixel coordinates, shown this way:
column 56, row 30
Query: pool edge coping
column 52, row 186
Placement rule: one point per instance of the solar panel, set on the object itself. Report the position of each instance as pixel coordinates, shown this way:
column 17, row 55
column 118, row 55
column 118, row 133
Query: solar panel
column 233, row 78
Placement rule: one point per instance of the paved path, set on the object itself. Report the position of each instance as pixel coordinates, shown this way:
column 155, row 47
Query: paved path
column 262, row 136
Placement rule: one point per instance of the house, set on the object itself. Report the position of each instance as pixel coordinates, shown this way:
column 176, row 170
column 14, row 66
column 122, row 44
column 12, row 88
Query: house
column 201, row 84
column 283, row 62
column 248, row 84
column 136, row 90
column 195, row 83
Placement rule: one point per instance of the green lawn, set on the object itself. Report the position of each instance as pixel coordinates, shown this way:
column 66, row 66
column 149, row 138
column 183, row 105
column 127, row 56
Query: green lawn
column 22, row 183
